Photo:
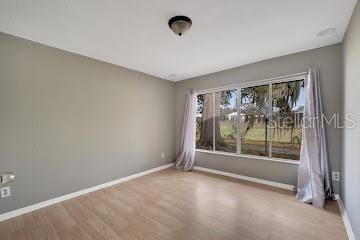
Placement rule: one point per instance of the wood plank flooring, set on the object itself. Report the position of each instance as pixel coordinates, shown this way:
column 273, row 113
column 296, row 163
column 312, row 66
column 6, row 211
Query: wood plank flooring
column 170, row 204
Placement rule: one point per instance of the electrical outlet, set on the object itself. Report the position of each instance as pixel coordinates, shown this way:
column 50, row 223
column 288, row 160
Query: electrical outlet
column 162, row 155
column 336, row 176
column 5, row 192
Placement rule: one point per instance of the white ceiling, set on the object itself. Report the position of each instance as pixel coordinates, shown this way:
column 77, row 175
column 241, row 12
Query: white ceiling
column 135, row 34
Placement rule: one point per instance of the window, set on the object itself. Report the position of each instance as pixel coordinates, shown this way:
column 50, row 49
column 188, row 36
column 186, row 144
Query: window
column 262, row 120
column 226, row 121
column 287, row 114
column 254, row 120
column 205, row 122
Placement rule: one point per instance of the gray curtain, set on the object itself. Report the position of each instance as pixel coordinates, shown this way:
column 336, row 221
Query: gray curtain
column 186, row 158
column 314, row 178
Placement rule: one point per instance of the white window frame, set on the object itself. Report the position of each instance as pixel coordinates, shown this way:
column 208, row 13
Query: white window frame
column 238, row 87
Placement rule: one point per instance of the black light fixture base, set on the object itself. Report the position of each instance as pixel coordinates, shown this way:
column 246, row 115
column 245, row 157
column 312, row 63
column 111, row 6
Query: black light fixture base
column 180, row 24
column 179, row 18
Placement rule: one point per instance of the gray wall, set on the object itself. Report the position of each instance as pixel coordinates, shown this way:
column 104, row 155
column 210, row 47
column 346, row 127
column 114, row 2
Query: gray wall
column 329, row 62
column 68, row 122
column 350, row 193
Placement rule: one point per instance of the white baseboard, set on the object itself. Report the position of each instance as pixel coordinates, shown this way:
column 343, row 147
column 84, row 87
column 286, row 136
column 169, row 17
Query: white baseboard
column 49, row 202
column 345, row 218
column 246, row 178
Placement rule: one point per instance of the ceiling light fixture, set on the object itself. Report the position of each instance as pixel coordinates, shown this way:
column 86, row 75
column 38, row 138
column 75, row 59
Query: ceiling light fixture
column 180, row 24
column 326, row 32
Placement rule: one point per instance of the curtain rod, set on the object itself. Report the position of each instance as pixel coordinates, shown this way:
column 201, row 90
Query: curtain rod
column 255, row 83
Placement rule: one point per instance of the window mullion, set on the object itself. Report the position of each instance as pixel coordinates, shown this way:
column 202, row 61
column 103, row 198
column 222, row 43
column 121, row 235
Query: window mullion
column 238, row 121
column 270, row 119
column 214, row 137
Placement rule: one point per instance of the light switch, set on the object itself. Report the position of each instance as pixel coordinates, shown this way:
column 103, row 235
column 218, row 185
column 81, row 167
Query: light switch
column 7, row 177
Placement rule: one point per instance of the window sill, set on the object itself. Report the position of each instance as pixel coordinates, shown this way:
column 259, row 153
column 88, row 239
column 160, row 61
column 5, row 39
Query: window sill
column 295, row 162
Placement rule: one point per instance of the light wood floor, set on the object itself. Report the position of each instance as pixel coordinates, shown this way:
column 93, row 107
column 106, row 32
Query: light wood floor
column 175, row 205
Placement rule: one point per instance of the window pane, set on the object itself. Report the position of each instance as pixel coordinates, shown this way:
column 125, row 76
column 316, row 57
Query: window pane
column 204, row 121
column 254, row 120
column 226, row 121
column 288, row 108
